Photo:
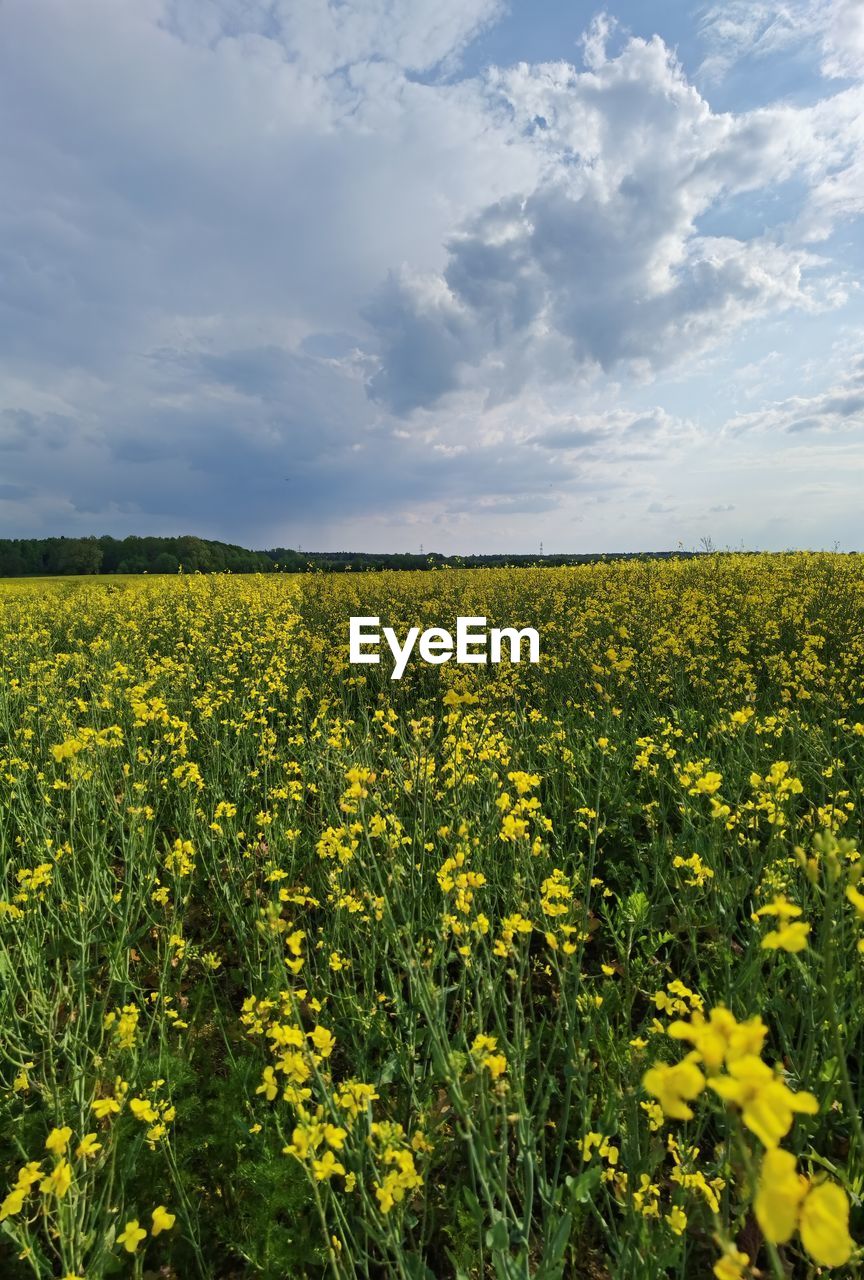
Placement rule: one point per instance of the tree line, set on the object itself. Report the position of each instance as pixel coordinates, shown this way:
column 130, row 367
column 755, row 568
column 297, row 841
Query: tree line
column 51, row 557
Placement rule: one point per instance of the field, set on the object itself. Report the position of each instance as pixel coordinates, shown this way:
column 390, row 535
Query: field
column 549, row 971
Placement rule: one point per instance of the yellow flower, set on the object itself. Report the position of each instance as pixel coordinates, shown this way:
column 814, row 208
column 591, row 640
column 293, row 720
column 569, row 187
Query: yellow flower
column 88, row 1146
column 786, row 1200
column 143, row 1110
column 857, row 900
column 325, row 1168
column 778, row 1197
column 21, row 1083
column 268, row 1085
column 162, row 1220
column 58, row 1140
column 58, row 1181
column 722, row 1038
column 791, row 937
column 103, row 1107
column 654, row 1112
column 779, row 907
column 13, row 1203
column 29, row 1174
column 334, row 1136
column 131, row 1236
column 590, row 1140
column 677, row 1220
column 674, row 1087
column 323, row 1040
column 824, row 1225
column 767, row 1104
column 732, row 1265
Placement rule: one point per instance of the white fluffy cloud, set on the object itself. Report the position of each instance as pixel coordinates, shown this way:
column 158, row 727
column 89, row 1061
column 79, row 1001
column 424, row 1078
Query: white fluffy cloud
column 603, row 263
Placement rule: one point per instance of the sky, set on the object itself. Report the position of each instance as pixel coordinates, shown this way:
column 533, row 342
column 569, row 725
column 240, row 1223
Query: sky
column 464, row 275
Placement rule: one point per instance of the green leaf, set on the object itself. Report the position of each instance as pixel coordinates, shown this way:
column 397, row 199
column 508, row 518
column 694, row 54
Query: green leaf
column 582, row 1188
column 552, row 1263
column 498, row 1235
column 473, row 1205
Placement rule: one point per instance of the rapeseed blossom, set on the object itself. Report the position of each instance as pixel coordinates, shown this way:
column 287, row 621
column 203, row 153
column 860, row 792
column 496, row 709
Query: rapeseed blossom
column 787, row 1201
column 403, row 954
column 768, row 1106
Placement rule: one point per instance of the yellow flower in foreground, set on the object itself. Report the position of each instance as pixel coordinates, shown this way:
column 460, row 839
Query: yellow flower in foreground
column 786, row 1200
column 88, row 1146
column 791, row 937
column 767, row 1104
column 162, row 1220
column 778, row 1197
column 131, row 1236
column 722, row 1038
column 325, row 1168
column 732, row 1265
column 143, row 1109
column 779, row 907
column 323, row 1040
column 103, row 1107
column 824, row 1224
column 674, row 1087
column 58, row 1181
column 334, row 1136
column 13, row 1203
column 857, row 900
column 29, row 1174
column 58, row 1140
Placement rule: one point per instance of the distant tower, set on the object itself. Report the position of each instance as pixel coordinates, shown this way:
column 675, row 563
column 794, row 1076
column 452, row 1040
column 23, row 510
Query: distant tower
column 541, row 548
column 421, row 548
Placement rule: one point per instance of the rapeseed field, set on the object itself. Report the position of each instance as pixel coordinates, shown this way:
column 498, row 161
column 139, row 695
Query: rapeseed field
column 515, row 971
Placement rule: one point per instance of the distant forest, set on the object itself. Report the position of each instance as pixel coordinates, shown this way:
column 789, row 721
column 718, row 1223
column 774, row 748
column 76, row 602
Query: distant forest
column 35, row 557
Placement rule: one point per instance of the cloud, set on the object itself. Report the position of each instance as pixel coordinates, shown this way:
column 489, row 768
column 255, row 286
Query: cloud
column 250, row 443
column 843, row 40
column 602, row 264
column 619, row 433
column 758, row 29
column 326, row 36
column 838, row 409
column 273, row 265
column 753, row 28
